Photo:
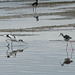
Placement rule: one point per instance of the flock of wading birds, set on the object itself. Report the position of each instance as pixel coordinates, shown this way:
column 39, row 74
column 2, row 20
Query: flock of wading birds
column 12, row 38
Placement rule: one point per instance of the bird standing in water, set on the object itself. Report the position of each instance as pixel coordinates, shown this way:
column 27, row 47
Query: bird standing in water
column 67, row 38
column 35, row 5
column 12, row 38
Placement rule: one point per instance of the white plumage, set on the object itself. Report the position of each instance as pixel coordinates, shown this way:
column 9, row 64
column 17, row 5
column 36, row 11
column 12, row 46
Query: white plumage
column 12, row 38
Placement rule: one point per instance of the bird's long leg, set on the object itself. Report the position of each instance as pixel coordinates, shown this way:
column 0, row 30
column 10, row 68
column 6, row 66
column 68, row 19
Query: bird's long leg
column 71, row 46
column 71, row 53
column 7, row 53
column 11, row 45
column 34, row 9
column 7, row 43
column 66, row 48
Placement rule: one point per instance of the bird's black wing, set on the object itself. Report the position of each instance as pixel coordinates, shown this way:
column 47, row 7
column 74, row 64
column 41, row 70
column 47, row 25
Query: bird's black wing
column 67, row 37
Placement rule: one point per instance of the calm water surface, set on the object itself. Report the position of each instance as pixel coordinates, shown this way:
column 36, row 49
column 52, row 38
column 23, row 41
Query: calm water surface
column 41, row 55
column 44, row 52
column 14, row 15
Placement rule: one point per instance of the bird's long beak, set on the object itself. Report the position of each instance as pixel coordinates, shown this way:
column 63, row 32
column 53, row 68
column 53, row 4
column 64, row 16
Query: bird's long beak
column 24, row 42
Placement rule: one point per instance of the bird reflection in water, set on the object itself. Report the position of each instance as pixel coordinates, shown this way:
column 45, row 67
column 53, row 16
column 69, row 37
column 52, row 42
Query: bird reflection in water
column 37, row 17
column 67, row 61
column 12, row 52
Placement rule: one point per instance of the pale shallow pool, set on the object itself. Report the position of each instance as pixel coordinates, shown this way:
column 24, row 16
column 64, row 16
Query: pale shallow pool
column 42, row 54
column 43, row 51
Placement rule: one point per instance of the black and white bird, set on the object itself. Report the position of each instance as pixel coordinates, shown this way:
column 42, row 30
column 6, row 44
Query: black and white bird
column 67, row 38
column 35, row 5
column 12, row 38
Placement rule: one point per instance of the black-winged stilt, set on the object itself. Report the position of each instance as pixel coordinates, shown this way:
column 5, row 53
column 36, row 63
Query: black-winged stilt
column 67, row 38
column 12, row 38
column 35, row 5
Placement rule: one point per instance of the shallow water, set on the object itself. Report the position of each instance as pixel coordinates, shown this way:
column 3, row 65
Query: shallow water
column 20, row 15
column 42, row 55
column 43, row 51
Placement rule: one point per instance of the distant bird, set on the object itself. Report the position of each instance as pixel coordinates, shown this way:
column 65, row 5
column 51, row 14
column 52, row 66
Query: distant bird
column 67, row 38
column 35, row 5
column 12, row 38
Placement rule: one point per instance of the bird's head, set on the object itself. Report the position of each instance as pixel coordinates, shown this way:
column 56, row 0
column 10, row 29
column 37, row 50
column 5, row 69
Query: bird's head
column 8, row 56
column 61, row 34
column 20, row 40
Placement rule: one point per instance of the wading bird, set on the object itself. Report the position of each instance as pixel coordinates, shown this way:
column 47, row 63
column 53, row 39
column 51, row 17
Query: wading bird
column 35, row 5
column 12, row 38
column 67, row 38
